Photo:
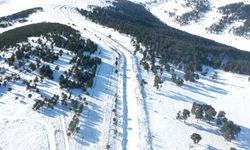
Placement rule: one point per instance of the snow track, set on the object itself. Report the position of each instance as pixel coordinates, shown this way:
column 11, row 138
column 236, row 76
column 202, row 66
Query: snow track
column 65, row 134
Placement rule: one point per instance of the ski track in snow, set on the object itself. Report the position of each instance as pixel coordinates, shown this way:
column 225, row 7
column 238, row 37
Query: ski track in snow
column 66, row 141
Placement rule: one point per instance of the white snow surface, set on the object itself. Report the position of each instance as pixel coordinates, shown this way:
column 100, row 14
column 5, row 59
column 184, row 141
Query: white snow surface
column 146, row 116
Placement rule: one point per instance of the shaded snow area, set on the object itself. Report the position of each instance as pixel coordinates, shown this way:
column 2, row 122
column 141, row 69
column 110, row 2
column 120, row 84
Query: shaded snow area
column 121, row 114
column 168, row 10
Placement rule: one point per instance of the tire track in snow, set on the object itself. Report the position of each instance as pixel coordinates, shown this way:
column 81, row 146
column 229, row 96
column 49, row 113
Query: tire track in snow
column 66, row 140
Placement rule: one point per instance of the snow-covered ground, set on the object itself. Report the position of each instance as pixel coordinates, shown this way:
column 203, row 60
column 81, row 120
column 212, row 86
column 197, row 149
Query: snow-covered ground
column 146, row 116
column 228, row 93
column 160, row 8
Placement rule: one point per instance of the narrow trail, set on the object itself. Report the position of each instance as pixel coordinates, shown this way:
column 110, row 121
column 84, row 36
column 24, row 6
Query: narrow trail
column 66, row 140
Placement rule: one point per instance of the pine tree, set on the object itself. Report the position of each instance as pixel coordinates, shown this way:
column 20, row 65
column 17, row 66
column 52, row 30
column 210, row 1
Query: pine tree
column 194, row 107
column 210, row 113
column 196, row 138
column 173, row 77
column 198, row 113
column 157, row 81
column 221, row 114
column 179, row 81
column 230, row 130
column 46, row 71
column 185, row 114
column 178, row 115
column 220, row 117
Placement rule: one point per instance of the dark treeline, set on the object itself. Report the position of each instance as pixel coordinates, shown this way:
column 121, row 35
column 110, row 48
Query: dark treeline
column 200, row 7
column 17, row 17
column 233, row 13
column 166, row 43
column 84, row 68
column 20, row 34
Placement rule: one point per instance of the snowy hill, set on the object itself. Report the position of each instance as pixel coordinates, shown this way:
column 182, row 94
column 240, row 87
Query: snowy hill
column 69, row 82
column 206, row 18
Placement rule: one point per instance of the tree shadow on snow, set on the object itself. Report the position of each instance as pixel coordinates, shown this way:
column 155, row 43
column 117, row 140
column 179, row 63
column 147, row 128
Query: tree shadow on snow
column 209, row 79
column 179, row 97
column 58, row 110
column 90, row 119
column 103, row 80
column 211, row 88
column 196, row 90
column 201, row 128
column 243, row 139
column 104, row 53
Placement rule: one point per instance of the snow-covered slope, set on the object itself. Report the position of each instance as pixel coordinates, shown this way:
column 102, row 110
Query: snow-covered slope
column 170, row 10
column 145, row 116
column 229, row 93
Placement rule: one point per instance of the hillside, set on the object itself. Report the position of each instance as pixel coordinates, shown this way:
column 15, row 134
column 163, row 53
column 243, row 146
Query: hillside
column 110, row 75
column 206, row 18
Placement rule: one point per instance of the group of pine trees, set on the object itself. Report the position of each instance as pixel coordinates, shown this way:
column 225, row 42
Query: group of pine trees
column 76, row 105
column 232, row 13
column 82, row 74
column 39, row 56
column 199, row 7
column 189, row 75
column 228, row 128
column 21, row 16
column 49, row 102
column 46, row 71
